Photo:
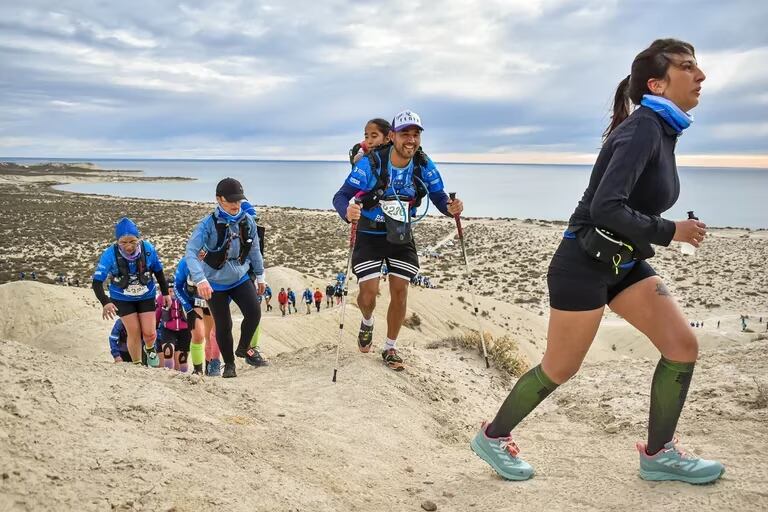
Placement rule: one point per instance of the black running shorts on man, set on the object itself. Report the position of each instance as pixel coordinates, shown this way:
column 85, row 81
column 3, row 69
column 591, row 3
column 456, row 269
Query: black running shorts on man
column 577, row 282
column 373, row 250
column 127, row 307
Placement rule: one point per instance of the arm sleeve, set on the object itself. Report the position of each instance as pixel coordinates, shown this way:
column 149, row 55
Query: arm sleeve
column 114, row 337
column 98, row 289
column 631, row 153
column 160, row 276
column 194, row 245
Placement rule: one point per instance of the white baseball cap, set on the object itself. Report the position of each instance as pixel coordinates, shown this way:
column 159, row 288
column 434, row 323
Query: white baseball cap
column 405, row 119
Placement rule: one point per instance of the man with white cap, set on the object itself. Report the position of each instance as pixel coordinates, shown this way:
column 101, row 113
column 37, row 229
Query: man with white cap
column 390, row 183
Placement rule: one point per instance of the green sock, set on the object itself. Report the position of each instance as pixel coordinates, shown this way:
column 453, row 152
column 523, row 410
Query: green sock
column 256, row 336
column 196, row 353
column 668, row 392
column 529, row 391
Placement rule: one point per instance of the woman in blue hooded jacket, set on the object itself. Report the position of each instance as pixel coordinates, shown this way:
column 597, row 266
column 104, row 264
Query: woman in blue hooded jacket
column 229, row 239
column 132, row 263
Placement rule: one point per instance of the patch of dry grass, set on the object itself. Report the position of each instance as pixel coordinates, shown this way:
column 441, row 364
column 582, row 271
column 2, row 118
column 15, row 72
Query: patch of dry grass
column 503, row 352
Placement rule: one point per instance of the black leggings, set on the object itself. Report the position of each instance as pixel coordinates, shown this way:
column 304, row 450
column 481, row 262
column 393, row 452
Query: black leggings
column 244, row 296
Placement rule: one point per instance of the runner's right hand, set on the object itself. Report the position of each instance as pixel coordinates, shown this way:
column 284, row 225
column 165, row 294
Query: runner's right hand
column 690, row 230
column 109, row 311
column 204, row 290
column 353, row 212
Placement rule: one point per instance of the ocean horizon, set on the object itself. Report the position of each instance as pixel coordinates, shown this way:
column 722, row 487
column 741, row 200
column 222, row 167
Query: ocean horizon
column 720, row 196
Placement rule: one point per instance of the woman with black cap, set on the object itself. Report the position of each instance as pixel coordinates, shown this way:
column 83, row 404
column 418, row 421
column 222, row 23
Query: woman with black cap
column 132, row 263
column 229, row 239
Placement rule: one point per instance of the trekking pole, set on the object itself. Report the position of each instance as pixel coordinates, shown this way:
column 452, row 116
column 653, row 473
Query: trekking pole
column 452, row 195
column 352, row 235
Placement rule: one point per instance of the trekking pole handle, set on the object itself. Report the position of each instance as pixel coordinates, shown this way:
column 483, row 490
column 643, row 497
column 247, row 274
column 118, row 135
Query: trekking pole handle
column 353, row 227
column 452, row 196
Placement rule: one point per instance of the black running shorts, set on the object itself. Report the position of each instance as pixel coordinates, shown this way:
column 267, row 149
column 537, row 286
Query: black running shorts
column 127, row 307
column 179, row 339
column 373, row 250
column 577, row 282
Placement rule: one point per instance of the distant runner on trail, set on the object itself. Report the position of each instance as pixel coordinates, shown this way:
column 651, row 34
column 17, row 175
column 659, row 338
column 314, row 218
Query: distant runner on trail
column 391, row 181
column 602, row 260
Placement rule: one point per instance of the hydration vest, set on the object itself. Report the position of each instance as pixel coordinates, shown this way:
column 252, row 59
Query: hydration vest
column 143, row 274
column 379, row 162
column 216, row 258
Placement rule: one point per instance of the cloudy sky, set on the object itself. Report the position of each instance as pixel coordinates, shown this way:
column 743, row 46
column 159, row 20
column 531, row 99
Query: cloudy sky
column 508, row 80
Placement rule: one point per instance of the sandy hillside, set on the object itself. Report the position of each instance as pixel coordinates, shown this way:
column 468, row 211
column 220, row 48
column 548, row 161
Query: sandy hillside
column 80, row 433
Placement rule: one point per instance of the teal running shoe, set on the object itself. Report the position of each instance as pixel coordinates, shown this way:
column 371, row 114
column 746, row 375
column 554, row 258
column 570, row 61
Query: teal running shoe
column 501, row 453
column 671, row 463
column 152, row 358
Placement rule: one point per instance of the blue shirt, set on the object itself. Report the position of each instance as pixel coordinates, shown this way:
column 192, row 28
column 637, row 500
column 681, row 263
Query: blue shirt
column 232, row 273
column 401, row 182
column 135, row 291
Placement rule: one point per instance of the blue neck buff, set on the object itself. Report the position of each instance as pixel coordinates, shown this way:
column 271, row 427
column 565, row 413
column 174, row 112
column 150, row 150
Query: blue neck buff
column 227, row 217
column 668, row 111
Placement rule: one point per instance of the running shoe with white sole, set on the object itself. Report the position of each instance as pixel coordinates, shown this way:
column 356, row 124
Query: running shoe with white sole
column 501, row 453
column 153, row 360
column 672, row 463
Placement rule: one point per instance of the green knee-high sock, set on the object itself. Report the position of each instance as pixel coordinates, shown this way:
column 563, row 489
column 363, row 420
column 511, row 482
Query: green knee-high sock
column 668, row 391
column 196, row 352
column 256, row 336
column 529, row 391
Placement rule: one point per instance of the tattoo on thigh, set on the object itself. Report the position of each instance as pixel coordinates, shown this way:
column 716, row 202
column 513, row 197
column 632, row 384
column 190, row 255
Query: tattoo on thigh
column 662, row 290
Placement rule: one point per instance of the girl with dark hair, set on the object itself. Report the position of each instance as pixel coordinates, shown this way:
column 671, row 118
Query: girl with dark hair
column 376, row 134
column 602, row 260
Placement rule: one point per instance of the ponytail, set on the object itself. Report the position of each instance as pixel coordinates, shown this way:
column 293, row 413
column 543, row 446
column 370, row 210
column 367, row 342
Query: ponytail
column 620, row 106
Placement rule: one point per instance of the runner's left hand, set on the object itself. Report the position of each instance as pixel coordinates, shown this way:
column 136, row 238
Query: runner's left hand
column 260, row 287
column 167, row 301
column 455, row 206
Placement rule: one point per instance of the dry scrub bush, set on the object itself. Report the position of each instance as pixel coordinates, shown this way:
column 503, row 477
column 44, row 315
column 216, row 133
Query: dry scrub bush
column 503, row 351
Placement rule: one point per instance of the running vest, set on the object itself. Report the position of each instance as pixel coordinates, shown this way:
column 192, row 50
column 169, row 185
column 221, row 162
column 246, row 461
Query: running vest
column 216, row 258
column 379, row 162
column 123, row 277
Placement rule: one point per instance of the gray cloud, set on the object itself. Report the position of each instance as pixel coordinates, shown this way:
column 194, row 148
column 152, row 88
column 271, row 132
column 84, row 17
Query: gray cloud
column 292, row 79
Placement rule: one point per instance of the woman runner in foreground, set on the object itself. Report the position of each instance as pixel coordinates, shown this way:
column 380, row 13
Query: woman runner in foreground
column 601, row 260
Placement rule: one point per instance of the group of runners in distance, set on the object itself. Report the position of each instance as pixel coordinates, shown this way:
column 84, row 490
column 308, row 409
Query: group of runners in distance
column 601, row 260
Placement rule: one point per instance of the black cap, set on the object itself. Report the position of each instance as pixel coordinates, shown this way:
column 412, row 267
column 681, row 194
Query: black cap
column 230, row 189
